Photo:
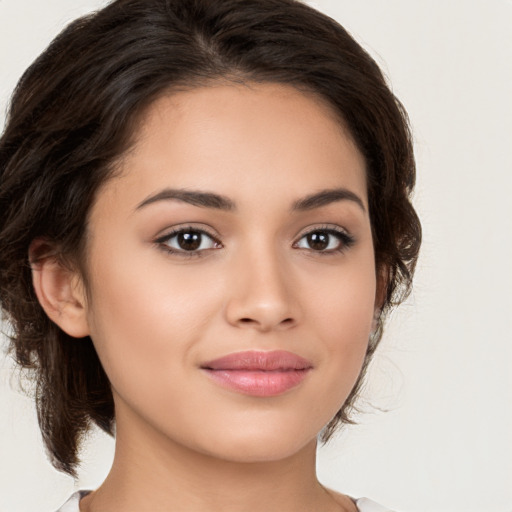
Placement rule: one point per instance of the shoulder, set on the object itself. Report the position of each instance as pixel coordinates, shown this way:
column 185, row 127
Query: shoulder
column 366, row 505
column 72, row 504
column 362, row 504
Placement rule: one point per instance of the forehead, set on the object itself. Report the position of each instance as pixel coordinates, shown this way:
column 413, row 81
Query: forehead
column 242, row 140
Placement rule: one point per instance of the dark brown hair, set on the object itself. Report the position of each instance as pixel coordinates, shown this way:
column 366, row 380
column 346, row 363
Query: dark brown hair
column 75, row 111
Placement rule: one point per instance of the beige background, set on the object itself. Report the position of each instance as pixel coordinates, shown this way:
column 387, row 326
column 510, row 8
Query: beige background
column 443, row 372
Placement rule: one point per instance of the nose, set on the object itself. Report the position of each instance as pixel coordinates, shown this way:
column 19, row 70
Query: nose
column 262, row 295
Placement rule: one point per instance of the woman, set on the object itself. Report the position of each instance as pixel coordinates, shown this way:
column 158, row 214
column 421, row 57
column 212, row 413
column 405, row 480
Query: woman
column 206, row 220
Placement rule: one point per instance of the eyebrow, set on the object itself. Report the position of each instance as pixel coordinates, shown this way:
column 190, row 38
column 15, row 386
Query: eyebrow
column 325, row 197
column 219, row 202
column 196, row 198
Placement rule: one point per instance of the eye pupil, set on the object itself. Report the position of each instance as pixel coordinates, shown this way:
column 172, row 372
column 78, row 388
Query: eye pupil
column 318, row 240
column 189, row 241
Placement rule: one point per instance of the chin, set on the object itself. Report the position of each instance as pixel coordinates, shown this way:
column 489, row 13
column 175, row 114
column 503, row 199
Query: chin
column 251, row 452
column 253, row 445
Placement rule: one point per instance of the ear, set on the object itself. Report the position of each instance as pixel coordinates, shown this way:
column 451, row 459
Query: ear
column 59, row 289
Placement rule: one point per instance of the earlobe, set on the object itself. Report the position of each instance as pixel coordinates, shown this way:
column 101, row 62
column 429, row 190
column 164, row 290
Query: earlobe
column 59, row 291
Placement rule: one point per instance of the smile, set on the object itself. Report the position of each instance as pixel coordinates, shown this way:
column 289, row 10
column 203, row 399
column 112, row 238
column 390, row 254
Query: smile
column 259, row 373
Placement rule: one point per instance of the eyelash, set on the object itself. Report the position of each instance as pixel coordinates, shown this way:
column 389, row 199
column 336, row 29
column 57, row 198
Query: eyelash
column 345, row 241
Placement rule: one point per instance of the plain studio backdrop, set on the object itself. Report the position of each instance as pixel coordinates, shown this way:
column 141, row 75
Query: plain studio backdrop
column 437, row 431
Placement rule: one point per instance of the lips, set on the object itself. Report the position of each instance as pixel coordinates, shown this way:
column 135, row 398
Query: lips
column 259, row 373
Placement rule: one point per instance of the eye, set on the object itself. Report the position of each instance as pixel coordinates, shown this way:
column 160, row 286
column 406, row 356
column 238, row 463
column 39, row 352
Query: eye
column 326, row 240
column 188, row 241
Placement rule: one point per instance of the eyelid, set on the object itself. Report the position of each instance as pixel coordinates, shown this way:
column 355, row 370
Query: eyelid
column 179, row 228
column 324, row 227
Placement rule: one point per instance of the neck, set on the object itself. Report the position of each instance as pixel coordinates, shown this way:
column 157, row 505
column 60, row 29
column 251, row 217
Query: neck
column 149, row 473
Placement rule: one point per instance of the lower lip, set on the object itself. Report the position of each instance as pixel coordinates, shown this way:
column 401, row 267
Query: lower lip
column 258, row 383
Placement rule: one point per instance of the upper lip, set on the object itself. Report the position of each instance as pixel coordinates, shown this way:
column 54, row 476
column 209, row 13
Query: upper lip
column 256, row 360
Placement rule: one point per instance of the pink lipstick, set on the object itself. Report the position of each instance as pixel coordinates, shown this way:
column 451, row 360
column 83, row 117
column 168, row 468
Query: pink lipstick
column 259, row 373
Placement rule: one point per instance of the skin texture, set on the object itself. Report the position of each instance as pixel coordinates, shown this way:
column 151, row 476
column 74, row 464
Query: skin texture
column 183, row 441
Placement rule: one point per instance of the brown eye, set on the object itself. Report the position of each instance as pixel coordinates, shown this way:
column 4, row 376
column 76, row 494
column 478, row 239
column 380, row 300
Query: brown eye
column 188, row 241
column 319, row 241
column 325, row 240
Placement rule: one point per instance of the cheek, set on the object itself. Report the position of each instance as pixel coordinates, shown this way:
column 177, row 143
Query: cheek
column 343, row 301
column 142, row 321
column 343, row 314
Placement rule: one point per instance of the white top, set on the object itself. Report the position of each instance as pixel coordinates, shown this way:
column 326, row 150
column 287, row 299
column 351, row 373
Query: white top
column 363, row 504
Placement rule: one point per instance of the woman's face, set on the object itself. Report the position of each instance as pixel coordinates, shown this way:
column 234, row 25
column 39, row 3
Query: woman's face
column 231, row 273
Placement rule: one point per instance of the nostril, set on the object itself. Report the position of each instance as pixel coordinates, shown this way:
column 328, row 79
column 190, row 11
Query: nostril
column 287, row 322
